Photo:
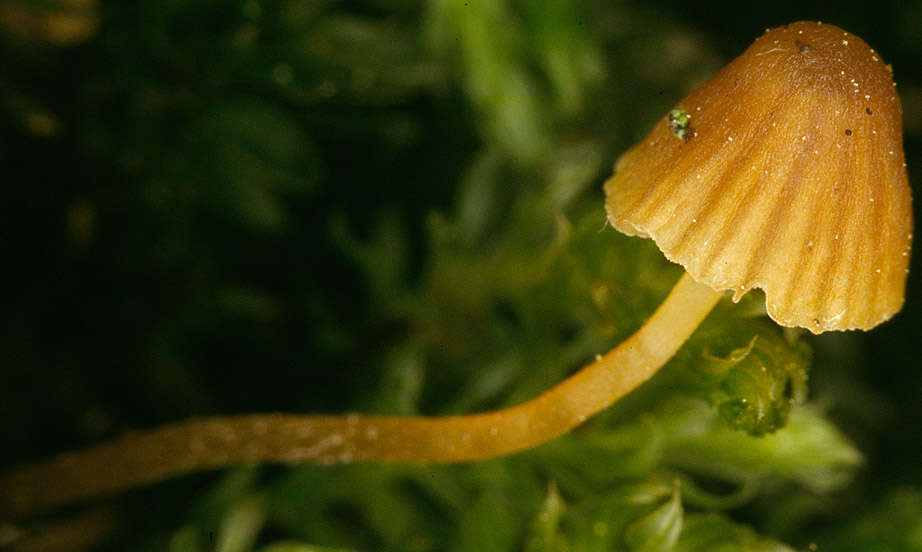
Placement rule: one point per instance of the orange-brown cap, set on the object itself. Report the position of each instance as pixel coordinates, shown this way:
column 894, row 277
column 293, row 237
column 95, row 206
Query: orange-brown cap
column 784, row 172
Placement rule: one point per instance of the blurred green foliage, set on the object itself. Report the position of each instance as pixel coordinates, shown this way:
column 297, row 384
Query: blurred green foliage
column 395, row 207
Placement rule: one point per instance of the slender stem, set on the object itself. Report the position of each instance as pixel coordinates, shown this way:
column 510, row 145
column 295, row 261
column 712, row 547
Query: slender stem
column 184, row 447
column 81, row 532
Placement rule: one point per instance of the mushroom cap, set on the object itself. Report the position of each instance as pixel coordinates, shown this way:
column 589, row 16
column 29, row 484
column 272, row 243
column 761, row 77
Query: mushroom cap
column 788, row 176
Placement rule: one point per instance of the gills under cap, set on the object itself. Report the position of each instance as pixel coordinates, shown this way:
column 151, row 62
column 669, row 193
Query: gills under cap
column 784, row 172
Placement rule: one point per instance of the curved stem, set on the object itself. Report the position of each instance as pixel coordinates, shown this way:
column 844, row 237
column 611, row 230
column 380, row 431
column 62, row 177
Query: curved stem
column 184, row 447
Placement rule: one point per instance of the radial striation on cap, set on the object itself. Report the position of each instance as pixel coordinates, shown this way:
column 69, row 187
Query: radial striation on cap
column 789, row 176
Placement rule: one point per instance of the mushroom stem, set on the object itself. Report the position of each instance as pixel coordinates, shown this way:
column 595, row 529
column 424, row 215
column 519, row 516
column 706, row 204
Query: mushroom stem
column 148, row 457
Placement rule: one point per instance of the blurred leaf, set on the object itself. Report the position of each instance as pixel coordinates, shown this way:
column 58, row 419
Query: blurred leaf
column 241, row 527
column 715, row 533
column 479, row 202
column 600, row 524
column 340, row 54
column 401, row 382
column 187, row 539
column 566, row 52
column 487, row 524
column 544, row 536
column 659, row 530
column 382, row 259
column 809, row 450
column 489, row 42
column 235, row 487
column 253, row 156
column 598, row 459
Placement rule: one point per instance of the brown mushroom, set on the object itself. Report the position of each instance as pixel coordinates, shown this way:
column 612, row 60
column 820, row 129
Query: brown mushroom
column 784, row 172
column 790, row 178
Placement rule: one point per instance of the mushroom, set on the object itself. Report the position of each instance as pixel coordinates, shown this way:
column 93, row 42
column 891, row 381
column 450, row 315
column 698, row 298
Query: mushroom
column 784, row 172
column 789, row 178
